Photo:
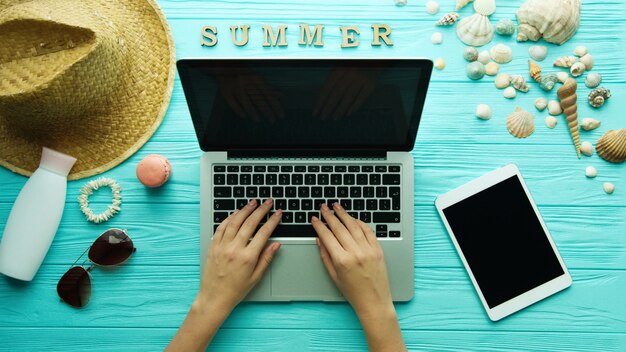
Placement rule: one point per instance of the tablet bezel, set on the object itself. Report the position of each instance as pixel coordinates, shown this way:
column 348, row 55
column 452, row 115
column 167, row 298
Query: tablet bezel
column 529, row 297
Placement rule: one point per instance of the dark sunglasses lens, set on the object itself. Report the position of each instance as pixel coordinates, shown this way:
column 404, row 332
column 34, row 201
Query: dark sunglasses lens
column 74, row 288
column 112, row 248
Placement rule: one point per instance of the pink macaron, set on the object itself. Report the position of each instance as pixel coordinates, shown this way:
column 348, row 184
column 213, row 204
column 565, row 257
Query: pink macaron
column 154, row 170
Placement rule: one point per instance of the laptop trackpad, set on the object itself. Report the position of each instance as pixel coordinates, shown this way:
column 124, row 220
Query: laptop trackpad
column 298, row 274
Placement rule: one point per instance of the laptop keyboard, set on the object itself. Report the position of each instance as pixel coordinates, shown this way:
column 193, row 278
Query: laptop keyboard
column 367, row 192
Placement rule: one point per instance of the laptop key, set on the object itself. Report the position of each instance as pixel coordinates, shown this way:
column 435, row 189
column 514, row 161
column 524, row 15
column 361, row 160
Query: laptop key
column 293, row 230
column 394, row 233
column 381, row 234
column 283, row 179
column 384, row 204
column 368, row 192
column 386, row 217
column 394, row 169
column 367, row 168
column 290, row 192
column 307, row 204
column 335, row 179
column 245, row 179
column 223, row 204
column 232, row 168
column 365, row 216
column 318, row 203
column 355, row 192
column 219, row 168
column 330, row 202
column 232, row 179
column 358, row 204
column 354, row 168
column 300, row 168
column 394, row 193
column 314, row 168
column 316, row 191
column 270, row 179
column 371, row 204
column 257, row 179
column 219, row 179
column 381, row 192
column 286, row 168
column 311, row 214
column 380, row 168
column 309, row 179
column 342, row 192
column 348, row 179
column 374, row 179
column 221, row 192
column 346, row 204
column 340, row 168
column 354, row 214
column 296, row 179
column 294, row 204
column 322, row 179
column 329, row 192
column 391, row 179
column 272, row 168
column 300, row 217
column 287, row 218
column 241, row 203
column 327, row 168
column 251, row 192
column 239, row 192
column 303, row 192
column 277, row 191
column 219, row 216
column 259, row 168
column 361, row 179
column 246, row 168
column 264, row 192
column 280, row 204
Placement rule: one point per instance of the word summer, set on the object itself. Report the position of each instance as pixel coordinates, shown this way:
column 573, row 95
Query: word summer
column 278, row 37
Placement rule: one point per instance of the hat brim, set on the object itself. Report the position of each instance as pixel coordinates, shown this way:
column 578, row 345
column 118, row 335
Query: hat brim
column 102, row 142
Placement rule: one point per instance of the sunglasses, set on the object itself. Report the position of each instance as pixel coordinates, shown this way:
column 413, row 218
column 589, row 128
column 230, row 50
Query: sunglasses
column 112, row 248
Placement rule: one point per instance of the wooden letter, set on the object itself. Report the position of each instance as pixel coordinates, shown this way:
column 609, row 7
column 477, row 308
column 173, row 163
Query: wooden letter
column 384, row 35
column 269, row 35
column 317, row 33
column 208, row 32
column 347, row 39
column 233, row 30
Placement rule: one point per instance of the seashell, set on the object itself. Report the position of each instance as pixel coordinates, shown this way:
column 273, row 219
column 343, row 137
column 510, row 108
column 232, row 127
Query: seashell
column 586, row 148
column 580, row 51
column 562, row 76
column 461, row 3
column 475, row 30
column 550, row 121
column 509, row 93
column 556, row 20
column 518, row 82
column 589, row 124
column 520, row 123
column 475, row 70
column 483, row 111
column 502, row 81
column 612, row 146
column 436, row 38
column 491, row 69
column 554, row 108
column 591, row 172
column 400, row 2
column 587, row 59
column 565, row 61
column 598, row 96
column 577, row 69
column 448, row 19
column 440, row 63
column 567, row 96
column 485, row 7
column 535, row 70
column 548, row 81
column 501, row 53
column 484, row 57
column 538, row 52
column 505, row 27
column 593, row 80
column 470, row 54
column 608, row 187
column 541, row 103
column 432, row 7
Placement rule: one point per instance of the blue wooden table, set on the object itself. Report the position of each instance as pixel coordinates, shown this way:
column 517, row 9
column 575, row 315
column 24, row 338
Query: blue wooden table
column 140, row 305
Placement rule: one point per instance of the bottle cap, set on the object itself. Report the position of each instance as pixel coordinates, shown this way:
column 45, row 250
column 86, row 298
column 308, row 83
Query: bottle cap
column 56, row 162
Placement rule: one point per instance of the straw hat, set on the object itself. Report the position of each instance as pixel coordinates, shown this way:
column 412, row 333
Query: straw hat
column 89, row 78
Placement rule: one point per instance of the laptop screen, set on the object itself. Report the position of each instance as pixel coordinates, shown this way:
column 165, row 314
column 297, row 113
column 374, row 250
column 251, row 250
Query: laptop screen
column 359, row 104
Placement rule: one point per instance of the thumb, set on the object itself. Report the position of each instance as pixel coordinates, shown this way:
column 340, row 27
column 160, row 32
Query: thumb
column 265, row 258
column 328, row 263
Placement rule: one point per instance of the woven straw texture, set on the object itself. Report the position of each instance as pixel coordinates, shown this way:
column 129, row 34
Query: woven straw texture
column 89, row 78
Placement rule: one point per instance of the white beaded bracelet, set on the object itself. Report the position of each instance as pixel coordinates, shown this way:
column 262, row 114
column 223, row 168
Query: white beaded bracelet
column 112, row 209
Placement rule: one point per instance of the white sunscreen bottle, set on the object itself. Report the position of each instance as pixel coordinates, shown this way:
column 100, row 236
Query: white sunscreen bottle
column 35, row 217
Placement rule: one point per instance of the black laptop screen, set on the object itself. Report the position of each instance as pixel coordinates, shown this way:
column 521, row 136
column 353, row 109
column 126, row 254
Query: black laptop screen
column 305, row 104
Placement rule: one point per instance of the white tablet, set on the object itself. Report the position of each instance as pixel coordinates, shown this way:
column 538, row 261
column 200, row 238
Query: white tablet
column 503, row 242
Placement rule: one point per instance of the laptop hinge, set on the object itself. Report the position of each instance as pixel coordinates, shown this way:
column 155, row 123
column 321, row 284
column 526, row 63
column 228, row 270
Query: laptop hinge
column 305, row 153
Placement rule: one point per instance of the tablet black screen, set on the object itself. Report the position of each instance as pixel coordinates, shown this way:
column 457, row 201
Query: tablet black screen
column 503, row 241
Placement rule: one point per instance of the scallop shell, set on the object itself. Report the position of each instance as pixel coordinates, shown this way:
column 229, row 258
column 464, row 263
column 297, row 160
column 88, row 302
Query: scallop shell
column 505, row 27
column 475, row 30
column 448, row 19
column 470, row 54
column 587, row 59
column 475, row 70
column 502, row 81
column 567, row 96
column 484, row 57
column 554, row 108
column 483, row 111
column 518, row 82
column 551, row 121
column 577, row 69
column 538, row 52
column 608, row 187
column 432, row 7
column 461, row 3
column 535, row 70
column 589, row 124
column 565, row 61
column 612, row 146
column 509, row 93
column 598, row 96
column 562, row 76
column 548, row 82
column 580, row 51
column 491, row 69
column 440, row 63
column 586, row 148
column 541, row 103
column 520, row 123
column 436, row 38
column 555, row 20
column 485, row 7
column 593, row 80
column 501, row 53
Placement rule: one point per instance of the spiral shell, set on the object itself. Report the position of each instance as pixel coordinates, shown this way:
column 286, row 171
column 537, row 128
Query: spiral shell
column 593, row 80
column 505, row 27
column 501, row 53
column 548, row 82
column 577, row 69
column 470, row 54
column 538, row 52
column 475, row 30
column 555, row 20
column 475, row 70
column 535, row 70
column 565, row 61
column 589, row 124
column 567, row 96
column 598, row 96
column 448, row 19
column 461, row 3
column 518, row 82
column 612, row 146
column 520, row 123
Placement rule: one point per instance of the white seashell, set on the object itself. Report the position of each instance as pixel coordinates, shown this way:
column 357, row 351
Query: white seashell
column 555, row 20
column 501, row 53
column 587, row 59
column 483, row 111
column 436, row 38
column 538, row 52
column 448, row 19
column 577, row 69
column 475, row 70
column 432, row 7
column 440, row 63
column 485, row 7
column 400, row 2
column 484, row 57
column 580, row 51
column 502, row 81
column 475, row 30
column 608, row 187
column 519, row 83
column 589, row 124
column 586, row 148
column 491, row 69
column 505, row 27
column 562, row 76
column 461, row 3
column 520, row 123
column 564, row 61
column 591, row 172
column 593, row 80
column 509, row 93
column 470, row 54
column 554, row 108
column 550, row 121
column 541, row 103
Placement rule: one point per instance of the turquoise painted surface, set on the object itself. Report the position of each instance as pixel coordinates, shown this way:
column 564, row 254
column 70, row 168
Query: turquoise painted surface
column 140, row 305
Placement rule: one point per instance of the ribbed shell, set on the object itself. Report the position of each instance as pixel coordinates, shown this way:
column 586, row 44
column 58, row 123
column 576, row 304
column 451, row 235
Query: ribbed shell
column 612, row 146
column 535, row 70
column 567, row 96
column 593, row 80
column 520, row 123
column 485, row 7
column 501, row 53
column 554, row 20
column 565, row 61
column 548, row 81
column 598, row 96
column 475, row 30
column 448, row 19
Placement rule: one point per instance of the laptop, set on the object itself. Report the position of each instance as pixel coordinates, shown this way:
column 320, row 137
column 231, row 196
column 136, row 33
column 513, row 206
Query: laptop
column 307, row 132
